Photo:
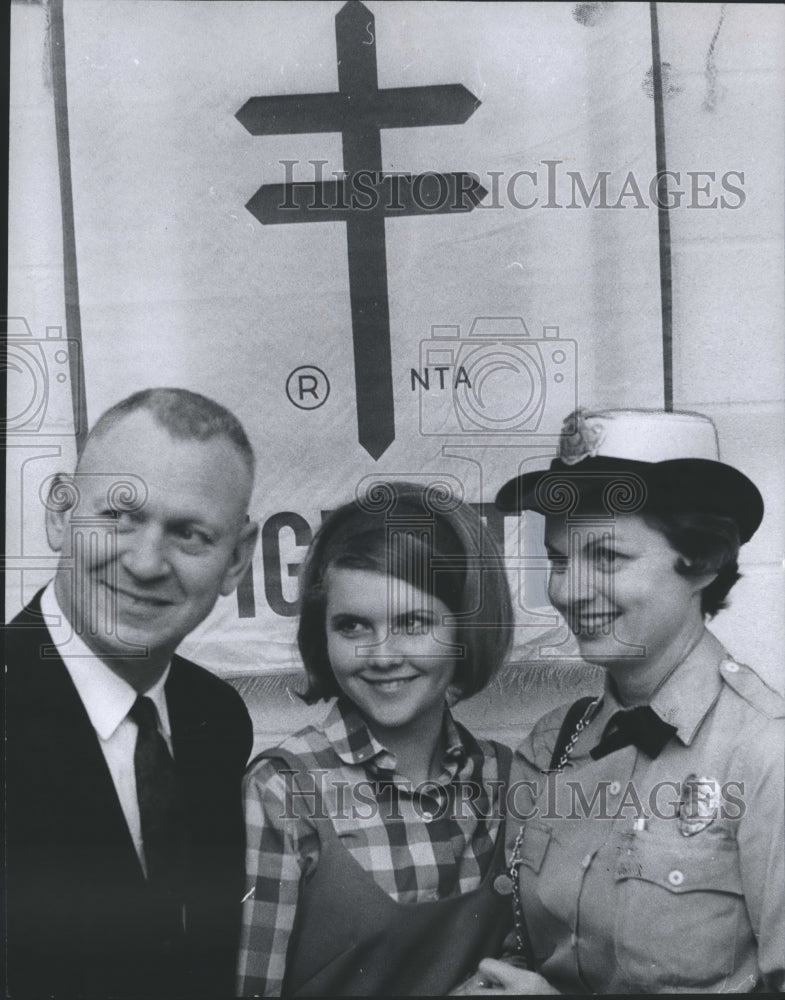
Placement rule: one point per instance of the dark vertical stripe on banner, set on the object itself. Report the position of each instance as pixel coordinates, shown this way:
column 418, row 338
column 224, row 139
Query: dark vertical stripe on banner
column 73, row 319
column 246, row 599
column 663, row 217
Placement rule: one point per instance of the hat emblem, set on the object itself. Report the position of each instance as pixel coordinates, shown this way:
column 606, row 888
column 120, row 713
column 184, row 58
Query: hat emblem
column 580, row 438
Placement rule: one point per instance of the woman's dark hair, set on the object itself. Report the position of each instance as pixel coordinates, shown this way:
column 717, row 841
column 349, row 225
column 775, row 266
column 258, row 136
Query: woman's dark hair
column 706, row 543
column 429, row 538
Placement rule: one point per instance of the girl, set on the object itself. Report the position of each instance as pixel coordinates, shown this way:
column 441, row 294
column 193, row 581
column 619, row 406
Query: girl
column 375, row 839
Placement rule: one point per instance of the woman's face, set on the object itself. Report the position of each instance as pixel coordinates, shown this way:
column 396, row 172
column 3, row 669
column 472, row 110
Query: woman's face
column 388, row 649
column 616, row 585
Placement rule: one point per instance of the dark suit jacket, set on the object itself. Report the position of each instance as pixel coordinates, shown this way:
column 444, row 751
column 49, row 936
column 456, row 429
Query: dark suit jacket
column 78, row 909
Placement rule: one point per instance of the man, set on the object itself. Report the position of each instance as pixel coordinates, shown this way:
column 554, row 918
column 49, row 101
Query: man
column 124, row 761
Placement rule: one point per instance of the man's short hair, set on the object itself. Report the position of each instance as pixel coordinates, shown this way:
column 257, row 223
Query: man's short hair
column 184, row 414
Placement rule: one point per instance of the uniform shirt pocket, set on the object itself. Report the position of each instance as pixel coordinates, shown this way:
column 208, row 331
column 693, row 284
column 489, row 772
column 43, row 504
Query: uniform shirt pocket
column 679, row 910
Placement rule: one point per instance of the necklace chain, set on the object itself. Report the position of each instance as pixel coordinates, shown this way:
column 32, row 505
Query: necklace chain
column 583, row 722
column 522, row 942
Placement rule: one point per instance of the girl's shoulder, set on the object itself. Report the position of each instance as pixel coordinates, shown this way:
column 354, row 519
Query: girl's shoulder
column 307, row 749
column 491, row 750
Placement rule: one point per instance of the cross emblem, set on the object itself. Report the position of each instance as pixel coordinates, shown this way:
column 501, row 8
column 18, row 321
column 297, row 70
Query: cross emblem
column 359, row 110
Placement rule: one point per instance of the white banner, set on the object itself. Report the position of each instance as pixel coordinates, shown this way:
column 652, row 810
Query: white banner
column 437, row 322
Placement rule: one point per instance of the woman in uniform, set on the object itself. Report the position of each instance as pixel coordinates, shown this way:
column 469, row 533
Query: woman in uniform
column 650, row 844
column 376, row 849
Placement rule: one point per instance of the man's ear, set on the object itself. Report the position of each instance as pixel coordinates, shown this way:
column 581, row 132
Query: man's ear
column 241, row 557
column 61, row 499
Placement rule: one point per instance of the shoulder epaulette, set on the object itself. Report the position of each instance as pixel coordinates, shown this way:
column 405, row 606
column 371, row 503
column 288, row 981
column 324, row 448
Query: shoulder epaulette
column 749, row 686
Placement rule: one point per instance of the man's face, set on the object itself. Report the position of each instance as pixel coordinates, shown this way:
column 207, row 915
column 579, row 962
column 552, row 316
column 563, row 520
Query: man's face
column 141, row 576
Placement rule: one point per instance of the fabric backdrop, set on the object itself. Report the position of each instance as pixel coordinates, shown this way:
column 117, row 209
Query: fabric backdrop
column 134, row 260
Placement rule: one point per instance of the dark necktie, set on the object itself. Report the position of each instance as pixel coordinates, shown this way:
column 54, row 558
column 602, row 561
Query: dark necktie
column 160, row 807
column 641, row 727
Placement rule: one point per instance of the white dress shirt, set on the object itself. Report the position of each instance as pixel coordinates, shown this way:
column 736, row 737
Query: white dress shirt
column 107, row 699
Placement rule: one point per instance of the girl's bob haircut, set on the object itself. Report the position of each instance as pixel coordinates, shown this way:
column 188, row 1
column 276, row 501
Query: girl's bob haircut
column 428, row 537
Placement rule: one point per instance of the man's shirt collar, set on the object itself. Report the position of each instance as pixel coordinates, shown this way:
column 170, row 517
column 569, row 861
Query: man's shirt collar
column 107, row 698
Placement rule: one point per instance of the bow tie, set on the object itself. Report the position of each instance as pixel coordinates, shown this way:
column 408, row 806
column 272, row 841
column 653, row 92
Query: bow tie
column 641, row 727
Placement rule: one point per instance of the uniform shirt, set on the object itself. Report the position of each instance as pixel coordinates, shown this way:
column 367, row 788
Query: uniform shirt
column 623, row 901
column 107, row 699
column 418, row 844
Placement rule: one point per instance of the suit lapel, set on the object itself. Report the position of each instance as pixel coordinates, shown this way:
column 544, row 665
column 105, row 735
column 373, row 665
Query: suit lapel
column 63, row 743
column 95, row 801
column 185, row 718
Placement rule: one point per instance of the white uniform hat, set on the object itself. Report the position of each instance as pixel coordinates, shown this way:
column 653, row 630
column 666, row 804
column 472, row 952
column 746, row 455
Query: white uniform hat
column 669, row 461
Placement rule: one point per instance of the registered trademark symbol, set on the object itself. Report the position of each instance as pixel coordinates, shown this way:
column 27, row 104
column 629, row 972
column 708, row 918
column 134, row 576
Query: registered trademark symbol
column 308, row 387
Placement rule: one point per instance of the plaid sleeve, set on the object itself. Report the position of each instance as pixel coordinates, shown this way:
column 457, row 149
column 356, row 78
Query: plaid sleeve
column 278, row 850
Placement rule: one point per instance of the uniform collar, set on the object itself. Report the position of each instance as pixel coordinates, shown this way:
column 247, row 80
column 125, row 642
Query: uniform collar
column 687, row 694
column 107, row 698
column 355, row 744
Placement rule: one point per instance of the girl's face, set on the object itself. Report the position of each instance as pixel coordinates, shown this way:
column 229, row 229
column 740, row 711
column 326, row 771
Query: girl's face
column 389, row 651
column 617, row 588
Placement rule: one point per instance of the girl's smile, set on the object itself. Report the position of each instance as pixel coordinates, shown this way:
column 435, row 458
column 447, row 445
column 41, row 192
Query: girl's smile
column 388, row 649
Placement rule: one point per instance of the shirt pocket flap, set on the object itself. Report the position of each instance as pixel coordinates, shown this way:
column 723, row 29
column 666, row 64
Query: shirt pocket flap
column 705, row 867
column 534, row 847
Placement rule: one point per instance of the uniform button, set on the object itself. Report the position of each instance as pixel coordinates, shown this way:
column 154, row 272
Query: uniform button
column 731, row 667
column 427, row 817
column 573, row 940
column 675, row 877
column 502, row 885
column 614, row 788
column 585, row 862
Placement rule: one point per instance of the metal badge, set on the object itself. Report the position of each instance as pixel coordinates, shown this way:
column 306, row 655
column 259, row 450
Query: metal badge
column 699, row 804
